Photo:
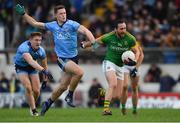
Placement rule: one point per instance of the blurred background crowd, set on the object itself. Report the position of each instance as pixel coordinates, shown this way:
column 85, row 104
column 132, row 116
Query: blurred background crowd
column 155, row 23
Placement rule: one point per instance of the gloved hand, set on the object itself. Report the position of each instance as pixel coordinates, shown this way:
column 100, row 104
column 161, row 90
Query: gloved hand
column 20, row 9
column 43, row 85
column 47, row 74
column 130, row 62
column 133, row 72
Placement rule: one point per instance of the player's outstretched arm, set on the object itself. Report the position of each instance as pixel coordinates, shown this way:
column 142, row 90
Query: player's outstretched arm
column 28, row 58
column 21, row 11
column 82, row 29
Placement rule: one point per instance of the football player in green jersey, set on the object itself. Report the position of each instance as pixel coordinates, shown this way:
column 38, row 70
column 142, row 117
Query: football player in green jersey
column 116, row 42
column 132, row 73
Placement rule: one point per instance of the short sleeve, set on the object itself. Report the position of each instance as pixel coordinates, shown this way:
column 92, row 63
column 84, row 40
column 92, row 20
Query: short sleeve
column 23, row 49
column 49, row 26
column 75, row 25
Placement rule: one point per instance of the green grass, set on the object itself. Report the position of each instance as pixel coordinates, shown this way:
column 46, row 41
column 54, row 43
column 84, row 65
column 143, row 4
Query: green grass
column 90, row 115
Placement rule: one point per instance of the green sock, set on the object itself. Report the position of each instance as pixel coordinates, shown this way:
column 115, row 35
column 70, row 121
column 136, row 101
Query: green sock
column 134, row 108
column 123, row 106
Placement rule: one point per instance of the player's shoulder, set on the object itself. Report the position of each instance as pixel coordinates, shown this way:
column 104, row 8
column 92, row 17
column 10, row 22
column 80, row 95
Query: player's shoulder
column 41, row 48
column 24, row 45
column 70, row 21
column 52, row 23
column 130, row 36
column 109, row 34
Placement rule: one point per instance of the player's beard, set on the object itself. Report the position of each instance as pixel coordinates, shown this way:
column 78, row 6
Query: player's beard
column 120, row 34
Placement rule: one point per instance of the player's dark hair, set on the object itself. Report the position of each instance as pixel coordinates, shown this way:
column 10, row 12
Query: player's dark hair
column 119, row 21
column 56, row 8
column 35, row 34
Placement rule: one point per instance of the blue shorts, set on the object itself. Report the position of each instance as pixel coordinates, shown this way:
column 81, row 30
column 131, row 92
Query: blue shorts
column 25, row 70
column 62, row 61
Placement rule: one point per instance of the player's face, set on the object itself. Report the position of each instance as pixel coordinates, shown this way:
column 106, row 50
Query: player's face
column 36, row 42
column 121, row 29
column 61, row 15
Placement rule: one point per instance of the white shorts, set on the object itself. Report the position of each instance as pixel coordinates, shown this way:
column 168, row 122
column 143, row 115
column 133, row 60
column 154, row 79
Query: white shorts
column 127, row 69
column 109, row 66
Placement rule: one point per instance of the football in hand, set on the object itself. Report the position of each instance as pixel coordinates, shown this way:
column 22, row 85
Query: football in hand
column 127, row 56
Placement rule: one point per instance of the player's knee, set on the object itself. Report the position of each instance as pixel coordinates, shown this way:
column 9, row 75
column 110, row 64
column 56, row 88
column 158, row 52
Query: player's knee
column 134, row 89
column 125, row 88
column 28, row 89
column 36, row 92
column 113, row 85
column 117, row 97
column 80, row 73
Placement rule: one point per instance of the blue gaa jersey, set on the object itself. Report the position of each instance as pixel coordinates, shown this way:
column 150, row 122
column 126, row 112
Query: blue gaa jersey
column 25, row 47
column 65, row 37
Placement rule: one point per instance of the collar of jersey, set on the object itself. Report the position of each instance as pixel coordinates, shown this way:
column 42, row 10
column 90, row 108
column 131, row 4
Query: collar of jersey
column 62, row 23
column 29, row 44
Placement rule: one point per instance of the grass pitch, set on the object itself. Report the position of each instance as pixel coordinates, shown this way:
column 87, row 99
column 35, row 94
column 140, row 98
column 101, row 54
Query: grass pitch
column 90, row 115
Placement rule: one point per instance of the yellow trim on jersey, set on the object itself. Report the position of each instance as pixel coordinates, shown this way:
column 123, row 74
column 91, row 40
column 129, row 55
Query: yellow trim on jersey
column 137, row 44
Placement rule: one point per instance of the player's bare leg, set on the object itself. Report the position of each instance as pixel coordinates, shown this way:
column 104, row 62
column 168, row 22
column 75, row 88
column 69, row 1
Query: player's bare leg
column 124, row 94
column 118, row 91
column 112, row 81
column 24, row 78
column 77, row 74
column 35, row 86
column 134, row 86
column 65, row 81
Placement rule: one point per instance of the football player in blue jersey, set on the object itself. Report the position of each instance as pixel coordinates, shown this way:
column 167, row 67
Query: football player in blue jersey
column 27, row 68
column 65, row 39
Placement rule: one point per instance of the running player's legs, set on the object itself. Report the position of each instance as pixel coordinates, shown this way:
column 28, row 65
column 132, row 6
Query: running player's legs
column 120, row 83
column 35, row 85
column 65, row 81
column 24, row 78
column 112, row 85
column 112, row 82
column 124, row 93
column 76, row 72
column 70, row 65
column 117, row 93
column 110, row 74
column 125, row 88
column 134, row 87
column 74, row 69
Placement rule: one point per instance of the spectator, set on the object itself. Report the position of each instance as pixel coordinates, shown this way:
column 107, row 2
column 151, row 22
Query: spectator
column 153, row 74
column 4, row 83
column 166, row 83
column 93, row 93
column 14, row 84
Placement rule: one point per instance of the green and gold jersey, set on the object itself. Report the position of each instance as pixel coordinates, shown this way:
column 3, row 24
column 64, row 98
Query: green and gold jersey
column 116, row 46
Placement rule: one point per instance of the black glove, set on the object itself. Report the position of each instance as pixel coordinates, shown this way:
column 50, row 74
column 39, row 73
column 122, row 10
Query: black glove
column 47, row 74
column 133, row 72
column 43, row 85
column 130, row 62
